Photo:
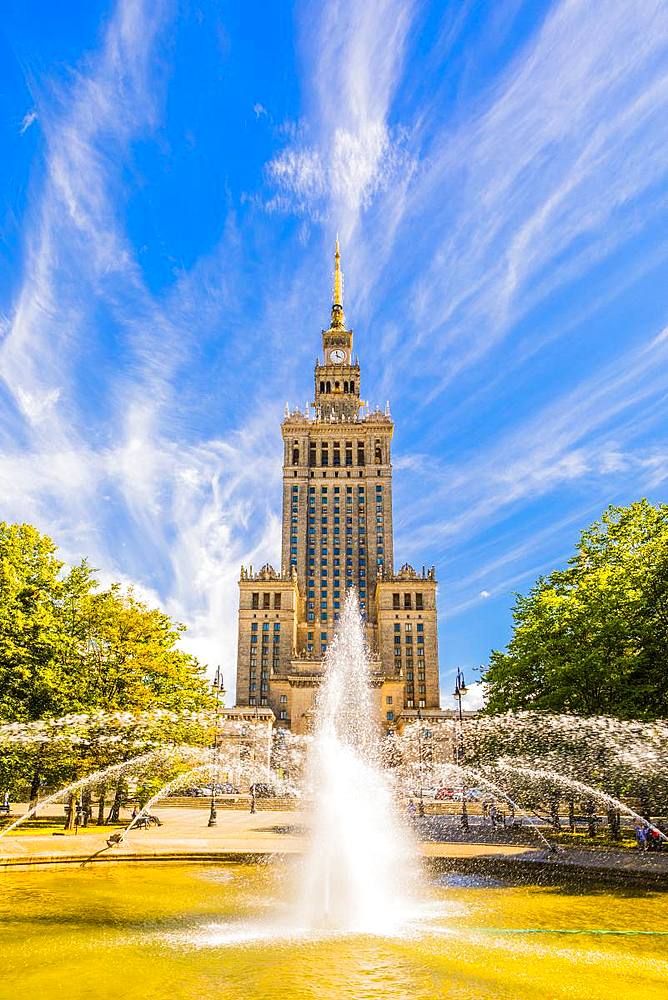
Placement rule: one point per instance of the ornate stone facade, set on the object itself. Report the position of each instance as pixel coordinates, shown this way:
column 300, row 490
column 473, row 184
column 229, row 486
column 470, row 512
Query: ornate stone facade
column 337, row 533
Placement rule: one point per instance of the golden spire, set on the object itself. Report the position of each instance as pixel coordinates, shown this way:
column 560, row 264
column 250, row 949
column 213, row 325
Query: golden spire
column 338, row 319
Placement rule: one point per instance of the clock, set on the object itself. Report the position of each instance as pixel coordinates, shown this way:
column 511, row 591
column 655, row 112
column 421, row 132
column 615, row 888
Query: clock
column 336, row 357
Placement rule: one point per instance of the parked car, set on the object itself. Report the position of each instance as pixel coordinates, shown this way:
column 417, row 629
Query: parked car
column 424, row 793
column 449, row 794
column 206, row 791
column 476, row 794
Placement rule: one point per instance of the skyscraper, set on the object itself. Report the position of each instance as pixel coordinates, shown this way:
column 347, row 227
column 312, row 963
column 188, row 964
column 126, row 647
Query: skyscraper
column 337, row 534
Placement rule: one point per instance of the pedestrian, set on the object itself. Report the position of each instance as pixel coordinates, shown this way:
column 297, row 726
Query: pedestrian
column 421, row 809
column 252, row 802
column 653, row 839
column 492, row 814
column 641, row 835
column 410, row 809
column 135, row 811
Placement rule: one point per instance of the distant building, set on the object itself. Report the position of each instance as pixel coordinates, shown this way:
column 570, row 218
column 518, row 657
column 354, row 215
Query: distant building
column 337, row 534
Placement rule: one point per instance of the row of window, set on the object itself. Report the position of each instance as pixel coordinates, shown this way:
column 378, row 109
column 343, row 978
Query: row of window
column 337, row 452
column 263, row 600
column 408, row 602
column 336, row 489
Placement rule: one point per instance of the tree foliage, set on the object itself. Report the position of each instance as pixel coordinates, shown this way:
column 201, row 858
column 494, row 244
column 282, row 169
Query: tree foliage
column 69, row 646
column 593, row 638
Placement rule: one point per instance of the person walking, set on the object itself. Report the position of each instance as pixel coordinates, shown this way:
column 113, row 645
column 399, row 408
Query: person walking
column 641, row 835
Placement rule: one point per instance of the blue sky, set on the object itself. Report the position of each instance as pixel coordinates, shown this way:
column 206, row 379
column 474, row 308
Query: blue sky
column 171, row 181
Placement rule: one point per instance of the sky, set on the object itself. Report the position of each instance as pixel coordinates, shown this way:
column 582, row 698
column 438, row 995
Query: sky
column 172, row 179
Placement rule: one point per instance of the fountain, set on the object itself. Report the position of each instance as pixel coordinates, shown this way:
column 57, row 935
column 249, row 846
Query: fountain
column 360, row 861
column 355, row 915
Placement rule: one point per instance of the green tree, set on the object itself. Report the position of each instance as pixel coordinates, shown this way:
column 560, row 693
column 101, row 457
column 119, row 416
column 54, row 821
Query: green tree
column 67, row 646
column 593, row 639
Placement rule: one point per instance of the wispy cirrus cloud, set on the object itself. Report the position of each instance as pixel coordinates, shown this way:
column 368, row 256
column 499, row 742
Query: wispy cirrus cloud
column 29, row 118
column 89, row 450
column 348, row 150
column 487, row 185
column 548, row 171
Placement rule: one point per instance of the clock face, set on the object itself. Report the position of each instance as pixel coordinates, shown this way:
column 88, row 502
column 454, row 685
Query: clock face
column 336, row 357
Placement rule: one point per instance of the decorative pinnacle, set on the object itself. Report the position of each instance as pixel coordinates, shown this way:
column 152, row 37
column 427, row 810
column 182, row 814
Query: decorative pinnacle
column 338, row 319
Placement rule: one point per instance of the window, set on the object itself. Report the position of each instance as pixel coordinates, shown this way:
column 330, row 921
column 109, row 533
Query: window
column 255, row 599
column 277, row 602
column 254, row 627
column 265, row 600
column 388, row 700
column 418, row 602
column 409, row 627
column 283, row 714
column 420, row 627
column 396, row 601
column 283, row 699
column 408, row 603
column 390, row 716
column 265, row 627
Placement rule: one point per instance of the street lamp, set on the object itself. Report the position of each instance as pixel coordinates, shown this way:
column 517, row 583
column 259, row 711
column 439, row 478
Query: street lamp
column 218, row 690
column 460, row 689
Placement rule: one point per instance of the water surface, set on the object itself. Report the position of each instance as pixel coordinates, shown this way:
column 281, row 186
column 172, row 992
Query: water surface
column 187, row 931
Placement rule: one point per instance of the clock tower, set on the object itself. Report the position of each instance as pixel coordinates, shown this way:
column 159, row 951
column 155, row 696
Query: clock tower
column 337, row 377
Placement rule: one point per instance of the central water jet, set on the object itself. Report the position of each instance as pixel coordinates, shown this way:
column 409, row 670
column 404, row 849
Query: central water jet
column 360, row 867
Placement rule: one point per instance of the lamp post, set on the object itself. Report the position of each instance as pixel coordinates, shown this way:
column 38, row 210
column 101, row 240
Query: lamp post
column 218, row 690
column 460, row 689
column 419, row 736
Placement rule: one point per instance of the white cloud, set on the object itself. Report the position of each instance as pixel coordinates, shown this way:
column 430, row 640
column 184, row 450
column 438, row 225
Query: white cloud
column 484, row 594
column 474, row 699
column 36, row 406
column 29, row 119
column 349, row 151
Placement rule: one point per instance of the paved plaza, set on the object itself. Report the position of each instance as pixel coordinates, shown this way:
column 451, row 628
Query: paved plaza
column 185, row 832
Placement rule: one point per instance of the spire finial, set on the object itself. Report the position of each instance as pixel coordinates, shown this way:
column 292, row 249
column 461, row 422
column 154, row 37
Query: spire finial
column 338, row 318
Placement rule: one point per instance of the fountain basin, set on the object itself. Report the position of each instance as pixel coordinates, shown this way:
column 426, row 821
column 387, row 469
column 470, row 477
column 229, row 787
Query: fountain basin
column 186, row 931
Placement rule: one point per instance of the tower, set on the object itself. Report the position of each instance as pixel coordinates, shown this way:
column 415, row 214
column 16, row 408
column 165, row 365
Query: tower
column 336, row 534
